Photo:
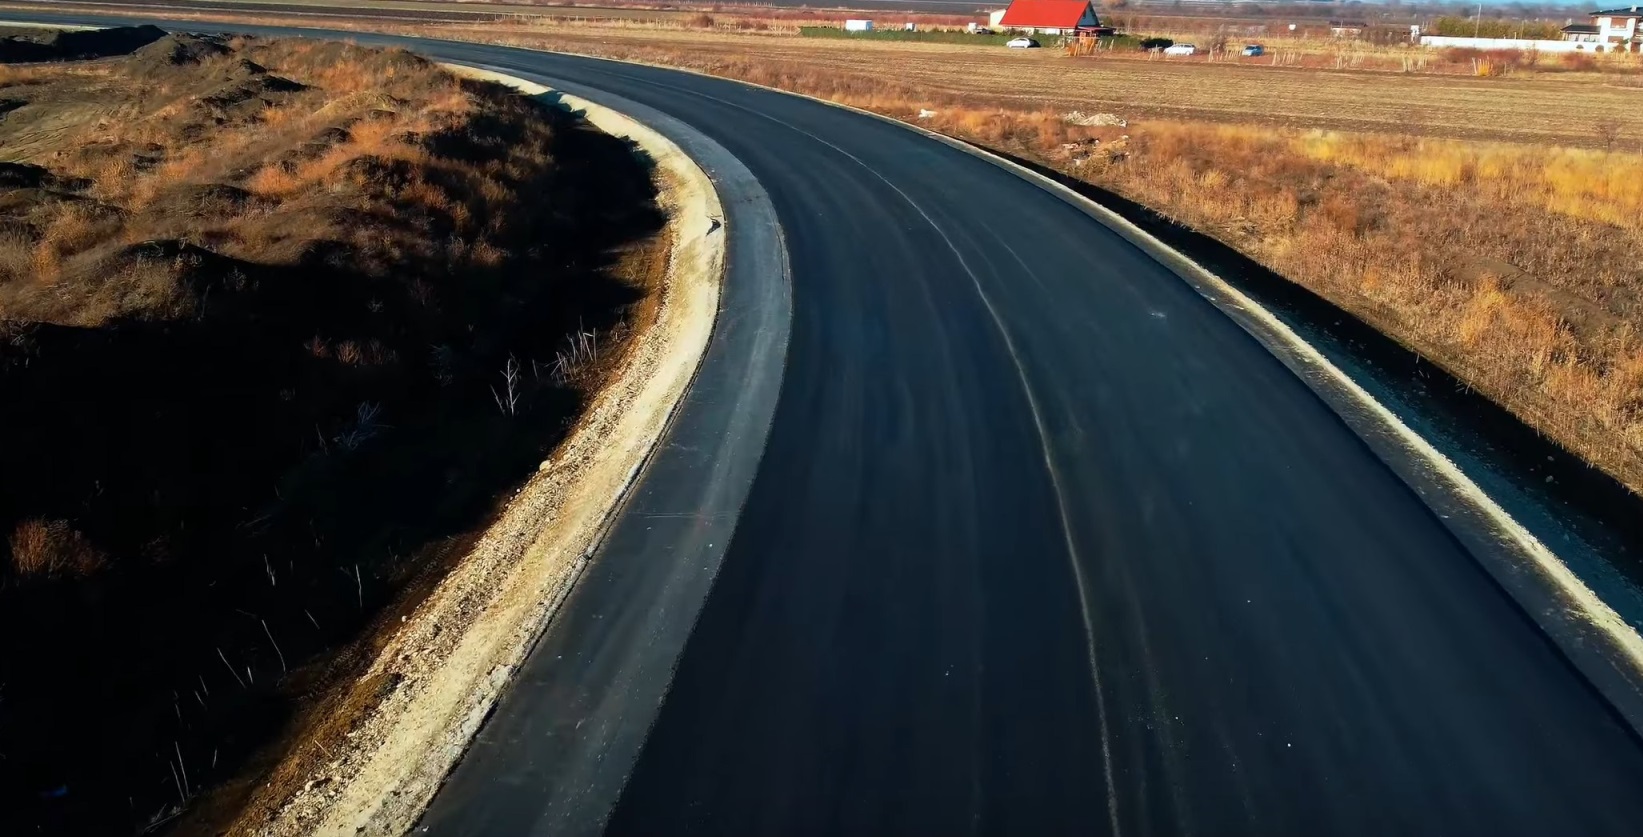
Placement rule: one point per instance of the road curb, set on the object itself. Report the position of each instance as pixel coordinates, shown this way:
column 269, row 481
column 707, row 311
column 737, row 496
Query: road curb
column 424, row 734
column 1603, row 647
column 1606, row 649
column 1600, row 644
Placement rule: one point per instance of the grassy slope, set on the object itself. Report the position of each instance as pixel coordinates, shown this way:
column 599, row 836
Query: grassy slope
column 258, row 301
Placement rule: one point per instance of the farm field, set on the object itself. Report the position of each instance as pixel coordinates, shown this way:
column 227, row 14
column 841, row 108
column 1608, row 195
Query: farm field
column 1473, row 219
column 1559, row 108
column 1519, row 109
column 1434, row 207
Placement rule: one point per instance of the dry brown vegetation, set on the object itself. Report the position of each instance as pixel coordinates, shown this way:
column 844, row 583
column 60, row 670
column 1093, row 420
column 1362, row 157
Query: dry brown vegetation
column 1303, row 83
column 1509, row 262
column 110, row 201
column 280, row 323
column 1490, row 223
column 1545, row 108
column 1487, row 222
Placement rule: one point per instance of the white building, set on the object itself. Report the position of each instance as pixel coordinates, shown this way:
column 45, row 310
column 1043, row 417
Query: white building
column 1612, row 28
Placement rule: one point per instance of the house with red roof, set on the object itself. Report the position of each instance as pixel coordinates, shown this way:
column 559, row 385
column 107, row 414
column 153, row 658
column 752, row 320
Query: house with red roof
column 1052, row 17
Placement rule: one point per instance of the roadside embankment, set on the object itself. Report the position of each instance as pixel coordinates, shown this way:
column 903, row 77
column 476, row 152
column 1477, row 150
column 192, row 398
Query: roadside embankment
column 450, row 661
column 284, row 326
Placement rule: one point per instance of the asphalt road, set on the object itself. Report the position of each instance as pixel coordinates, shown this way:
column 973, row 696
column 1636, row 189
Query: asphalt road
column 1039, row 542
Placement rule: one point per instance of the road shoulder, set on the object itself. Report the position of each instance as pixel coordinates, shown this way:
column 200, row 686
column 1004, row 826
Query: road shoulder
column 454, row 656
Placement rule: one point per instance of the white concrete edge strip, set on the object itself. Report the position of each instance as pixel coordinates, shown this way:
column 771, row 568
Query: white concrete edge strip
column 618, row 125
column 1595, row 638
column 30, row 24
column 400, row 774
column 1606, row 649
column 1601, row 645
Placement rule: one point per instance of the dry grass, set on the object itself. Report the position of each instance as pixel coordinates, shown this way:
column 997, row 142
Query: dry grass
column 254, row 298
column 1510, row 265
column 209, row 155
column 1354, row 86
column 1477, row 219
column 1553, row 108
column 52, row 549
column 1508, row 262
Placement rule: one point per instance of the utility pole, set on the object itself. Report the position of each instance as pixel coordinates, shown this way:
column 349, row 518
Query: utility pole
column 1477, row 22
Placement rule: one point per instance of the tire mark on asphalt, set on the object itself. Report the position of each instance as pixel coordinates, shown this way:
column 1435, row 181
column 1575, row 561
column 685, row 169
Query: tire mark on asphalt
column 1081, row 582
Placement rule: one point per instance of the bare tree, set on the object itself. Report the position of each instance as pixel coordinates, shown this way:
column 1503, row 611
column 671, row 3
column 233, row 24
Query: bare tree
column 508, row 400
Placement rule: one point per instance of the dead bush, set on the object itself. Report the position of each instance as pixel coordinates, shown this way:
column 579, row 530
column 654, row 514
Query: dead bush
column 1578, row 62
column 52, row 549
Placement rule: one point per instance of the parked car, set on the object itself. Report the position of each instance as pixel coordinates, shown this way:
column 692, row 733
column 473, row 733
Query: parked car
column 1021, row 43
column 1181, row 49
column 1252, row 50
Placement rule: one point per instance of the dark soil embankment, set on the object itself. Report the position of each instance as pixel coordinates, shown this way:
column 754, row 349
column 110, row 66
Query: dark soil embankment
column 77, row 45
column 279, row 322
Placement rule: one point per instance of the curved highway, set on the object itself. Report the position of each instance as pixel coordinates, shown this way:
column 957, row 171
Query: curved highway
column 1040, row 542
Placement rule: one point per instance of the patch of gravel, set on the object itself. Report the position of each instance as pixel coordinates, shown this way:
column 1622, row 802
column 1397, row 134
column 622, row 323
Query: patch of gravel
column 457, row 651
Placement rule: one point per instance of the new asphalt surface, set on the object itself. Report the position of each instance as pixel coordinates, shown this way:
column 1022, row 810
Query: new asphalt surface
column 1039, row 542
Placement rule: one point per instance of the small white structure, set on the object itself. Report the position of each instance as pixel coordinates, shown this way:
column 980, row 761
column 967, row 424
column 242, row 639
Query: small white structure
column 1505, row 43
column 858, row 25
column 909, row 27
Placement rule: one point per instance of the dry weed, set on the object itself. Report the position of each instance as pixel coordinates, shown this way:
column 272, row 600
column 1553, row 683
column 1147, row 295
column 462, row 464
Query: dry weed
column 43, row 549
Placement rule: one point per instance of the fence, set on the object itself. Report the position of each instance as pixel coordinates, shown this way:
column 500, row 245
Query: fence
column 1513, row 43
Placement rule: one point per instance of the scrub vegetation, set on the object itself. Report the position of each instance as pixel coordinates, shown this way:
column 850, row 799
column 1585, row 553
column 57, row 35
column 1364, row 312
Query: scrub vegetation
column 1510, row 264
column 1499, row 249
column 1487, row 222
column 280, row 324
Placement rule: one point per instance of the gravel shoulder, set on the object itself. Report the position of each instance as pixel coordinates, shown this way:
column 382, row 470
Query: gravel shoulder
column 449, row 663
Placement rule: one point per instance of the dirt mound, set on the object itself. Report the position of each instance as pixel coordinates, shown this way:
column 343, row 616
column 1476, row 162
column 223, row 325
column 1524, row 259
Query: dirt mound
column 78, row 46
column 373, row 61
column 239, row 380
column 25, row 176
column 177, row 51
column 21, row 204
column 247, row 97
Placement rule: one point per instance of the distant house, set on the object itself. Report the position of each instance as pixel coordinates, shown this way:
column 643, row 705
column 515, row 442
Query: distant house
column 1052, row 17
column 1614, row 28
column 1586, row 33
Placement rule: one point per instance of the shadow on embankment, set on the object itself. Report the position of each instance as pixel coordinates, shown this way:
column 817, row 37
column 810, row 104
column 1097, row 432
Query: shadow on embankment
column 240, row 502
